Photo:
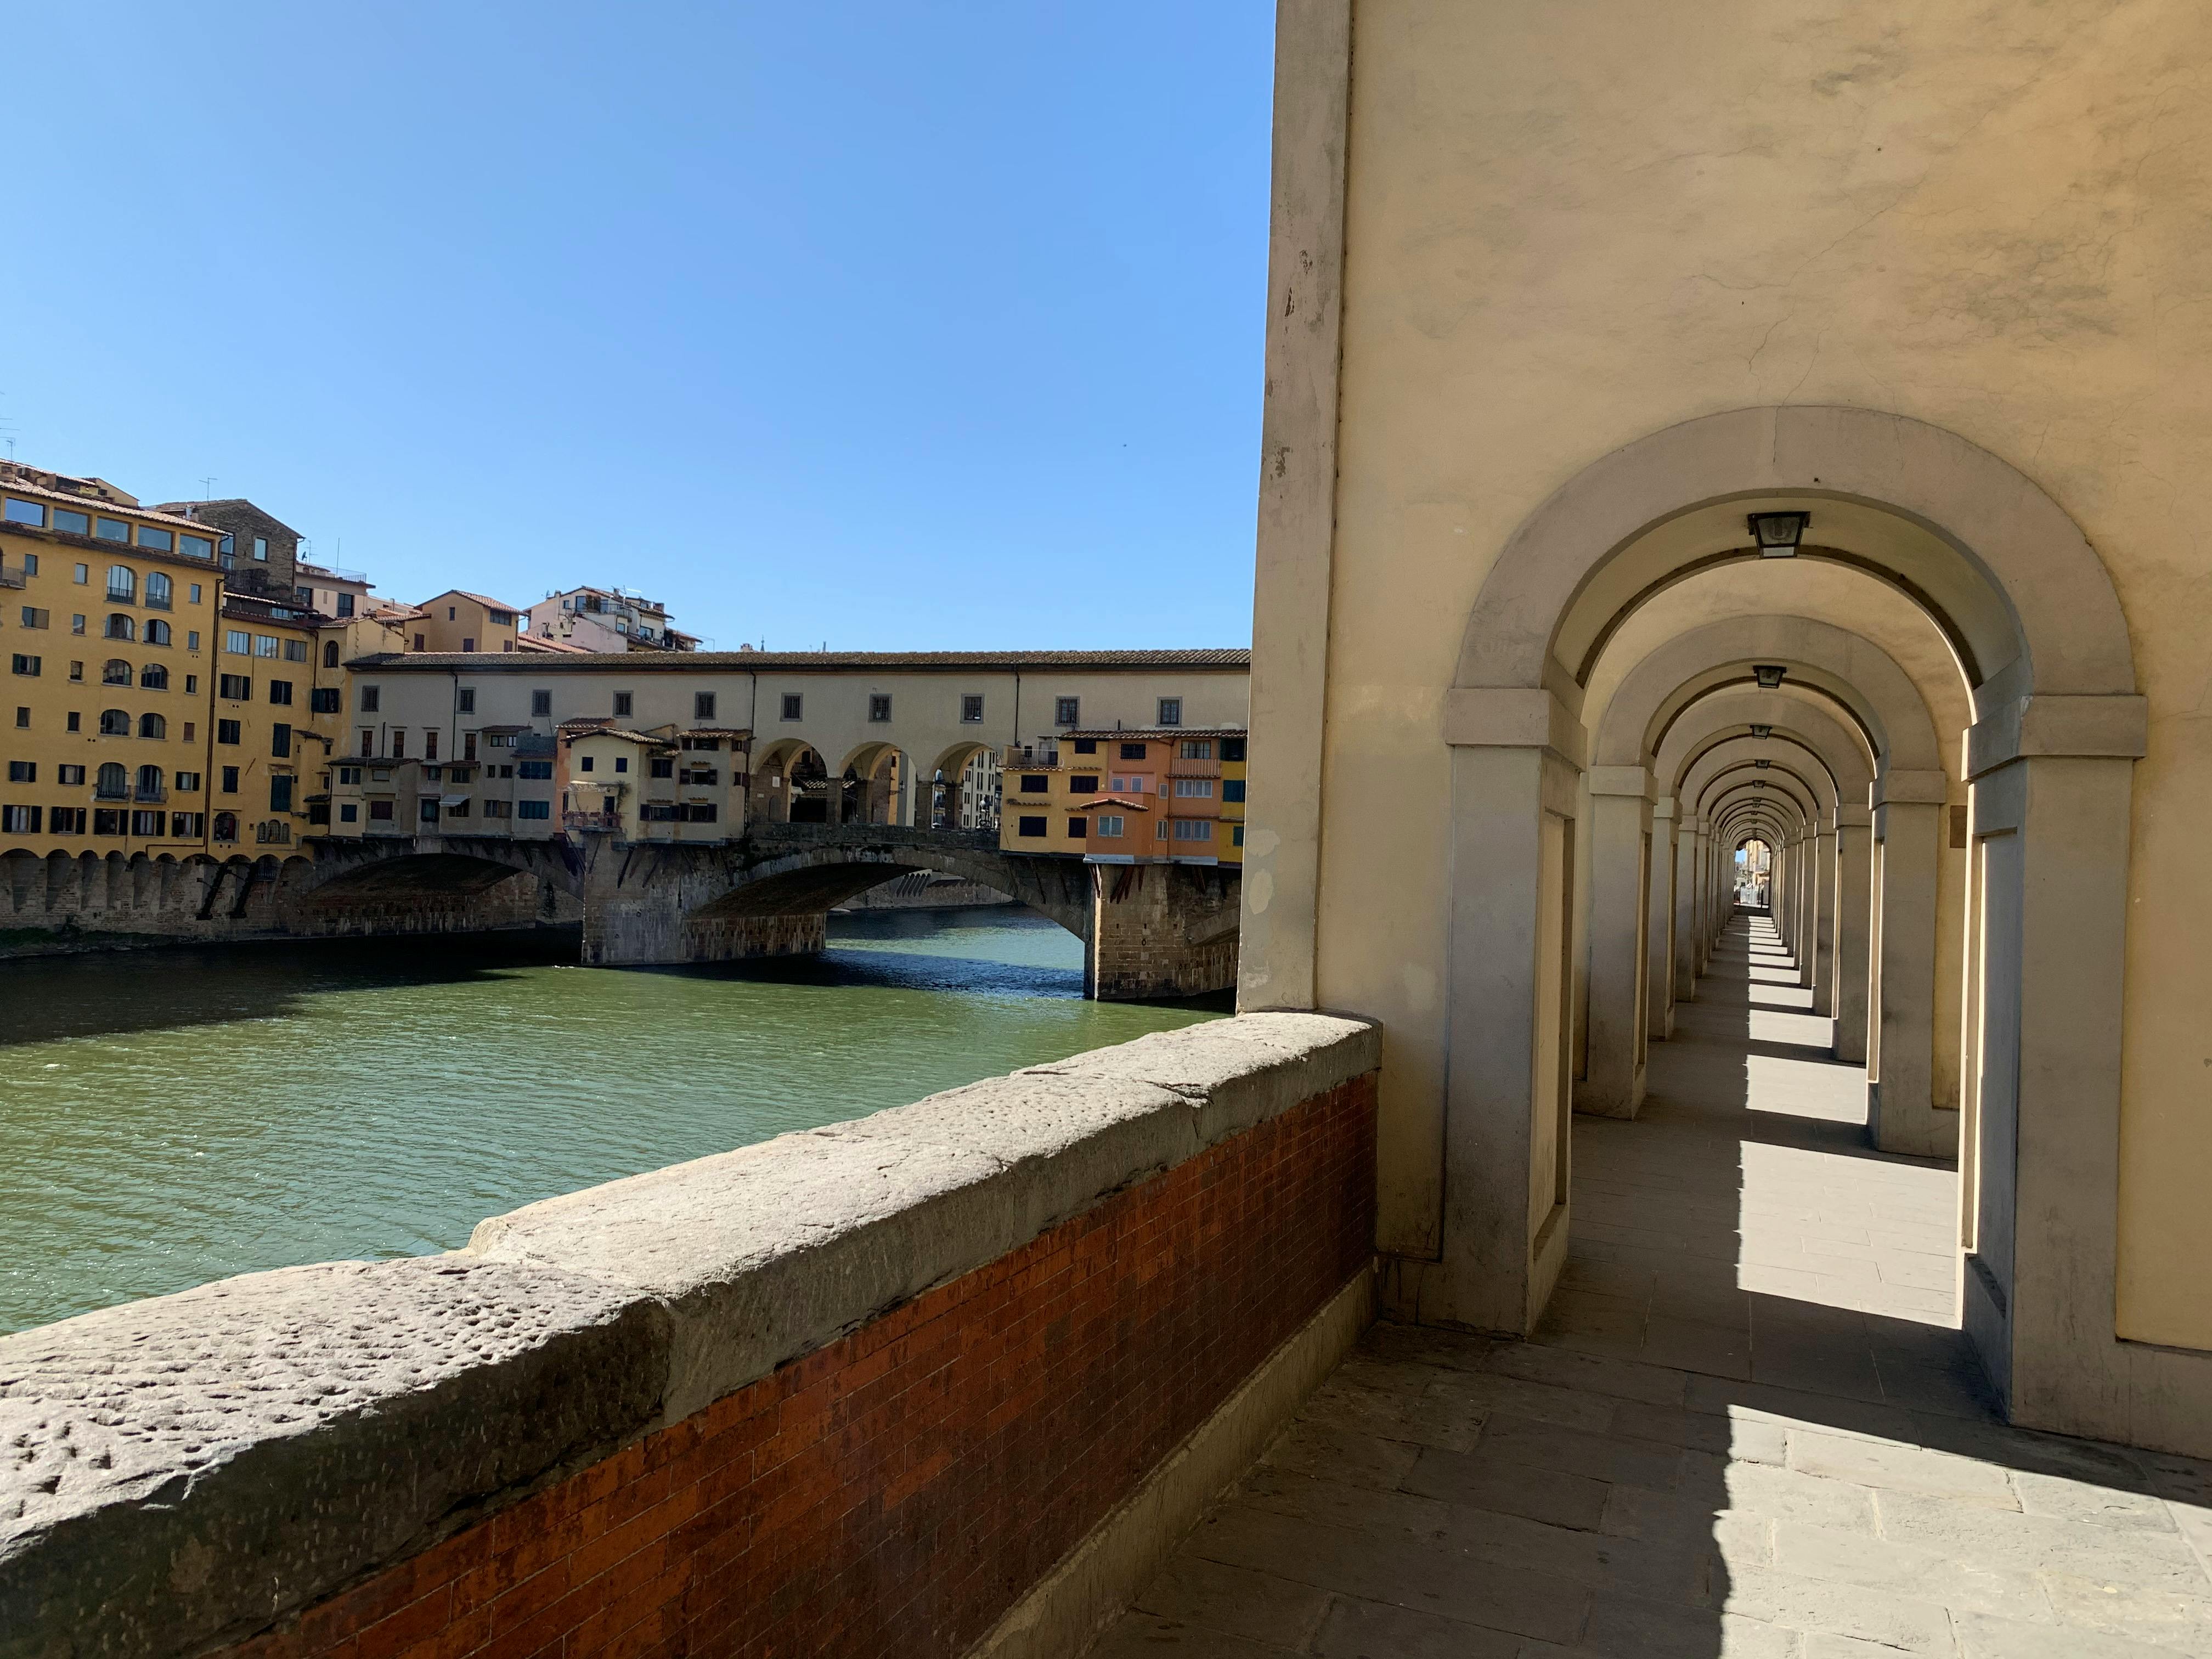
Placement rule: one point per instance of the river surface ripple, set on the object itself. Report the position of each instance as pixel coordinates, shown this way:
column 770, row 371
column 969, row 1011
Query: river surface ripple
column 177, row 1115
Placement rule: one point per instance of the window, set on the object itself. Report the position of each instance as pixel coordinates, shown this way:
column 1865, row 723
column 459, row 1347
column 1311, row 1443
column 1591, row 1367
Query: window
column 1171, row 711
column 398, row 747
column 467, row 704
column 27, row 666
column 70, row 774
column 345, row 605
column 1111, row 825
column 1034, row 783
column 330, row 654
column 662, row 767
column 1132, row 751
column 622, row 763
column 971, row 710
column 195, row 593
column 29, row 512
column 368, row 699
column 122, row 584
column 236, row 687
column 147, row 824
column 76, row 721
column 1159, row 828
column 1030, row 826
column 1068, row 711
column 65, row 821
column 30, row 564
column 1077, row 829
column 76, row 624
column 261, row 549
column 153, row 725
column 157, row 631
column 622, row 704
column 879, row 707
column 541, row 704
column 466, row 645
column 115, row 672
column 459, row 809
column 160, row 540
column 793, row 706
column 468, row 745
column 1194, row 788
column 295, row 651
column 279, row 693
column 114, row 723
column 110, row 821
column 69, row 523
column 24, row 771
column 23, row 715
column 1193, row 829
column 157, row 590
column 34, row 618
column 449, row 613
column 1086, row 746
column 120, row 627
column 1086, row 784
column 534, row 769
column 419, row 642
column 19, row 820
column 1197, row 749
column 149, row 783
column 76, row 672
column 1232, row 789
column 192, row 640
column 230, row 780
column 186, row 782
column 111, row 529
column 349, row 813
column 237, row 642
column 280, row 740
column 187, row 826
column 380, row 812
column 584, row 763
column 226, row 731
column 349, row 774
column 112, row 781
column 501, row 618
column 83, row 575
column 188, row 731
column 495, row 809
column 323, row 699
column 267, row 645
column 534, row 809
column 702, row 705
column 280, row 792
column 196, row 547
column 697, row 812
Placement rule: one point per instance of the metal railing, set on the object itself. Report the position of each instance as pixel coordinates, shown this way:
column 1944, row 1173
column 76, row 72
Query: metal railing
column 142, row 793
column 14, row 579
column 591, row 820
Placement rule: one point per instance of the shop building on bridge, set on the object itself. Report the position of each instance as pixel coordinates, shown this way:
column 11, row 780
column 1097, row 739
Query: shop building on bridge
column 1163, row 795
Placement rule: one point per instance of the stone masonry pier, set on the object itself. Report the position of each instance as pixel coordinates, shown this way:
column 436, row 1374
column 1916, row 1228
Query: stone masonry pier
column 946, row 1380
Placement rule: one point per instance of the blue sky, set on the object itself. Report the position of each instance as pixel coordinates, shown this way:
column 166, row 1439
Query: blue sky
column 927, row 324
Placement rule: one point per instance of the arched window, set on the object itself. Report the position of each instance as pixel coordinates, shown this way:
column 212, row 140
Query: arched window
column 114, row 723
column 153, row 725
column 115, row 672
column 113, row 781
column 120, row 627
column 157, row 588
column 149, row 782
column 154, row 677
column 122, row 584
column 157, row 631
column 225, row 826
column 330, row 654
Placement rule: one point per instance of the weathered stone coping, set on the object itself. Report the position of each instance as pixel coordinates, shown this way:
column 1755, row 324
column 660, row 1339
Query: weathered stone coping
column 184, row 1471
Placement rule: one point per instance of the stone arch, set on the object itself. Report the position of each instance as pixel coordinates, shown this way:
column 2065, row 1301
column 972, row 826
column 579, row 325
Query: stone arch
column 788, row 771
column 876, row 777
column 2035, row 626
column 948, row 787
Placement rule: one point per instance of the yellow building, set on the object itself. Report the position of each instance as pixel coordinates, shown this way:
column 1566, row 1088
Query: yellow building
column 668, row 784
column 455, row 620
column 278, row 698
column 108, row 614
column 1169, row 795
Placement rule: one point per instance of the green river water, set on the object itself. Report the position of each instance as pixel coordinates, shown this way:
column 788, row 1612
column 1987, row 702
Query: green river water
column 176, row 1116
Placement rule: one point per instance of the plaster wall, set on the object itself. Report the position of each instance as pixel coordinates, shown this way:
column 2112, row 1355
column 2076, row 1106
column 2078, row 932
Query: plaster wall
column 1571, row 226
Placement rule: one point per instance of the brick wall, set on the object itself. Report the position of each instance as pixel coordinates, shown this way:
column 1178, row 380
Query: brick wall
column 897, row 1490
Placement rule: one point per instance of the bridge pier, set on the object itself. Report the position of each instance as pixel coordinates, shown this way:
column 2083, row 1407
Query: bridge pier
column 1161, row 930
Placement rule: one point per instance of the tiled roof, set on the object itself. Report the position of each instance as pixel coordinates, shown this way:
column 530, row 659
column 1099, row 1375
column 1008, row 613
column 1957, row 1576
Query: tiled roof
column 463, row 593
column 113, row 509
column 550, row 647
column 911, row 661
column 1160, row 733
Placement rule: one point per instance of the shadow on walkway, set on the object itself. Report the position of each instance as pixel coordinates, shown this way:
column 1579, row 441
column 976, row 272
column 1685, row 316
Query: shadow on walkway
column 1749, row 1426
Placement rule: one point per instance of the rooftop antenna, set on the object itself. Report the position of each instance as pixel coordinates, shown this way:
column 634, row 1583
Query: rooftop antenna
column 207, row 486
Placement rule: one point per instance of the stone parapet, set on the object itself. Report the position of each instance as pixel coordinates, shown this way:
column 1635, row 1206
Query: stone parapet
column 857, row 1390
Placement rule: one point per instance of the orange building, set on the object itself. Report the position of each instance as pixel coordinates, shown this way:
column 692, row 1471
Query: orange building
column 1163, row 795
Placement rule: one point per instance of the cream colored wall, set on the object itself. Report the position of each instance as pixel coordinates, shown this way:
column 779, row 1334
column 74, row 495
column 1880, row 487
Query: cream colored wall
column 1569, row 225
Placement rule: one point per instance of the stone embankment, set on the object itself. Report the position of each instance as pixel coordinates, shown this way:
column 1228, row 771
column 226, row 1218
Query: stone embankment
column 948, row 1379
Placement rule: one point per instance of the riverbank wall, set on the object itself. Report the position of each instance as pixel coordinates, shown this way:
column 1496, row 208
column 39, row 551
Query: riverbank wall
column 948, row 1380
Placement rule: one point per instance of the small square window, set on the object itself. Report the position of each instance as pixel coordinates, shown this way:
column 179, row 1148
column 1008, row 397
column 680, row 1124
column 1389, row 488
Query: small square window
column 623, row 705
column 1171, row 711
column 468, row 700
column 971, row 709
column 793, row 706
column 1068, row 711
column 702, row 705
column 541, row 704
column 879, row 707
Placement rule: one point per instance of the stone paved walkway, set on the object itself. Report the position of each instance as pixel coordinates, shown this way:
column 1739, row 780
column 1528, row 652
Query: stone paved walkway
column 1748, row 1426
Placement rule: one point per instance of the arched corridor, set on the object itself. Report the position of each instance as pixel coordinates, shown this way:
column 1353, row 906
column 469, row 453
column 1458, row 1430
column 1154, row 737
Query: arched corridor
column 1747, row 1424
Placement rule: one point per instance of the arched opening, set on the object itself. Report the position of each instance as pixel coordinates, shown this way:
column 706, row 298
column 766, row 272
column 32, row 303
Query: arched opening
column 790, row 784
column 1945, row 744
column 963, row 789
column 875, row 786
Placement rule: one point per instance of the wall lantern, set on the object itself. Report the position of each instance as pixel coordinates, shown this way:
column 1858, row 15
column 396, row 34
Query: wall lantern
column 1762, row 731
column 1770, row 674
column 1778, row 533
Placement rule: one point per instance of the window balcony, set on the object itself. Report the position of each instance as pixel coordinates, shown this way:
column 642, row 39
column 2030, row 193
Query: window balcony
column 592, row 821
column 14, row 579
column 150, row 795
column 102, row 792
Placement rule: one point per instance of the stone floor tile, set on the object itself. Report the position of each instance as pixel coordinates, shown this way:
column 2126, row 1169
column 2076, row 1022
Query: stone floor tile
column 1480, row 1393
column 1403, row 1572
column 1832, row 1413
column 1925, row 1575
column 1547, row 1446
column 1341, row 1503
column 1626, row 1380
column 2147, row 1560
column 1239, row 1601
column 1407, row 1413
column 1745, row 1438
column 1817, row 1368
column 1481, row 1481
column 2178, row 1623
column 1819, row 1644
column 1145, row 1635
column 1628, row 1627
column 1900, row 1469
column 1692, row 1345
column 1375, row 1629
column 1318, row 1446
column 1982, row 1636
column 2063, row 1499
column 1813, row 1605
